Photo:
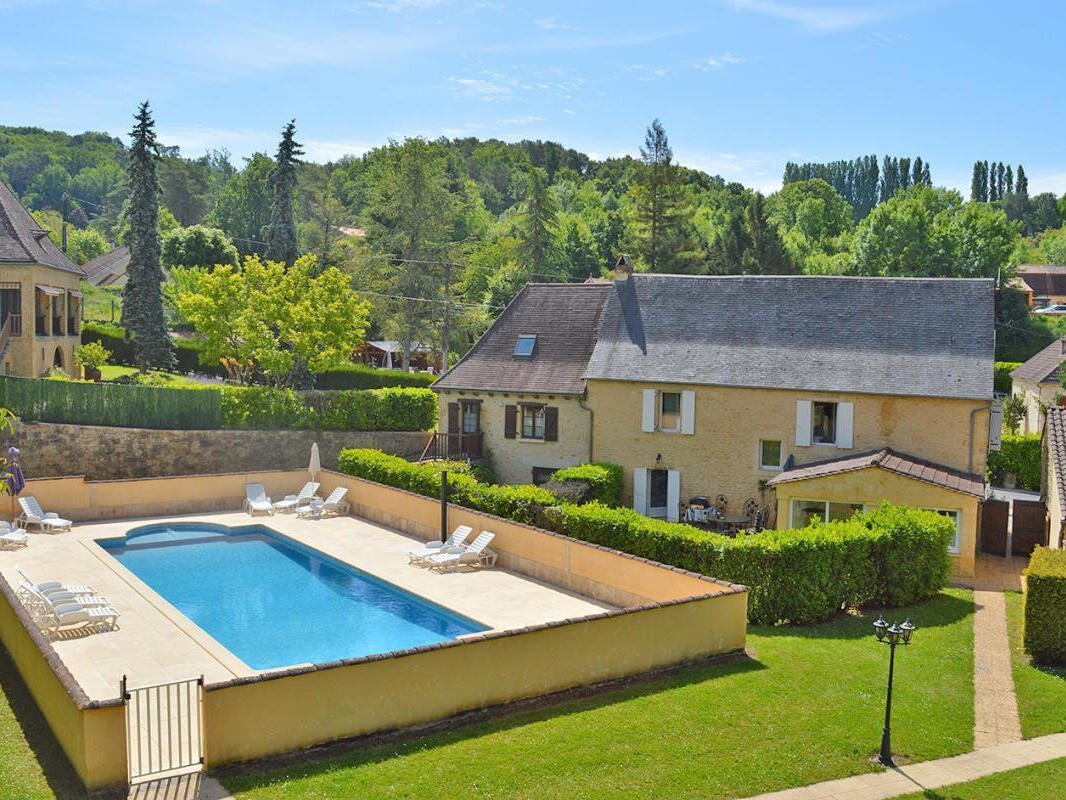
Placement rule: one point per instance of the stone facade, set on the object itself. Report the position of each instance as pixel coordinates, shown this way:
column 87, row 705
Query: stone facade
column 29, row 353
column 1036, row 396
column 105, row 453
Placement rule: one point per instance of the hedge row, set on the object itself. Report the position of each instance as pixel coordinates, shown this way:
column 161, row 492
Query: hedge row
column 361, row 376
column 1001, row 380
column 891, row 556
column 1044, row 625
column 1019, row 454
column 605, row 481
column 264, row 408
column 112, row 337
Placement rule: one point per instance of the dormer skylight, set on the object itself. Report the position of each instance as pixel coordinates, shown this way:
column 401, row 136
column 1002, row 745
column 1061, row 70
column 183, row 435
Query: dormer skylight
column 524, row 346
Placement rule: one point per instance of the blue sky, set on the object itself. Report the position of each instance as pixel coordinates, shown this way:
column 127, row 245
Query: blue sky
column 742, row 86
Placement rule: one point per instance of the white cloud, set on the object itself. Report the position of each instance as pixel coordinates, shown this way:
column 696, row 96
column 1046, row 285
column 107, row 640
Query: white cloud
column 819, row 19
column 396, row 6
column 242, row 142
column 480, row 87
column 495, row 86
column 647, row 73
column 1047, row 182
column 552, row 24
column 726, row 59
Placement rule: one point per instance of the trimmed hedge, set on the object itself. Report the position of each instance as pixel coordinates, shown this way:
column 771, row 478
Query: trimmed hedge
column 1001, row 381
column 605, row 480
column 264, row 408
column 113, row 337
column 1044, row 624
column 361, row 376
column 893, row 555
column 1020, row 454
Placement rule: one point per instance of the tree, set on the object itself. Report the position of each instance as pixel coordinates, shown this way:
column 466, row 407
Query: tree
column 276, row 319
column 85, row 245
column 198, row 246
column 1043, row 213
column 280, row 233
column 1023, row 181
column 661, row 212
column 578, row 252
column 142, row 297
column 1008, row 181
column 49, row 187
column 242, row 208
column 186, row 188
column 765, row 253
column 537, row 225
column 978, row 185
column 1013, row 411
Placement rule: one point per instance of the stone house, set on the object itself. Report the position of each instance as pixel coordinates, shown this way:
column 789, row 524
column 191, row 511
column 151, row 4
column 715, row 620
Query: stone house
column 1037, row 383
column 40, row 296
column 1053, row 475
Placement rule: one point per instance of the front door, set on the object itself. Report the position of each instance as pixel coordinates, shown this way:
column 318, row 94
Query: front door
column 658, row 483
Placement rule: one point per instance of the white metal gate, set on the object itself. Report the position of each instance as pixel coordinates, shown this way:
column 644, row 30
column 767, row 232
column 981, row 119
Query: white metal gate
column 164, row 728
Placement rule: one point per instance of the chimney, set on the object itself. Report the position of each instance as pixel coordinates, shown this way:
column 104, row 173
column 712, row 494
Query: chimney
column 1062, row 345
column 623, row 268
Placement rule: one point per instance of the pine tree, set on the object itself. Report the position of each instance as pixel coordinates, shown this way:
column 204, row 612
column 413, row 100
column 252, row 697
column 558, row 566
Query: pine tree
column 280, row 233
column 1023, row 182
column 660, row 210
column 142, row 297
column 537, row 226
column 765, row 252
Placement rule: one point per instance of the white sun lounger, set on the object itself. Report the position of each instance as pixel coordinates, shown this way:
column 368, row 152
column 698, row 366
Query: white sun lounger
column 255, row 499
column 32, row 514
column 294, row 501
column 11, row 537
column 457, row 539
column 334, row 504
column 48, row 587
column 476, row 553
column 72, row 615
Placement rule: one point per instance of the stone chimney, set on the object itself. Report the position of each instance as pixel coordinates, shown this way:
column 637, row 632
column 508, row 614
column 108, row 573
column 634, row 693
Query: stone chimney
column 1062, row 345
column 623, row 269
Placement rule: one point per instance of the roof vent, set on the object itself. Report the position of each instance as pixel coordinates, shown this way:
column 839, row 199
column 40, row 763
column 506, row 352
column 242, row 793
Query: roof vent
column 623, row 268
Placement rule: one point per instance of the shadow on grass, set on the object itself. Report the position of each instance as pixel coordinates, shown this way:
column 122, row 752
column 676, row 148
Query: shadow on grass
column 58, row 772
column 383, row 747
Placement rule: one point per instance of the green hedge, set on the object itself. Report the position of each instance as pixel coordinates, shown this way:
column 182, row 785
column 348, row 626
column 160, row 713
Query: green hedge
column 890, row 556
column 263, row 408
column 605, row 480
column 113, row 337
column 361, row 376
column 1001, row 377
column 1044, row 626
column 1020, row 454
column 81, row 403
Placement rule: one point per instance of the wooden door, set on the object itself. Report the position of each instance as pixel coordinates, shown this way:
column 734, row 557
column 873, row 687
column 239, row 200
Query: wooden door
column 994, row 527
column 1028, row 528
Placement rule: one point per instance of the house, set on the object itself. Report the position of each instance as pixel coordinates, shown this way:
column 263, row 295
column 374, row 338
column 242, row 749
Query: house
column 1044, row 284
column 108, row 269
column 1053, row 475
column 519, row 394
column 40, row 296
column 1037, row 383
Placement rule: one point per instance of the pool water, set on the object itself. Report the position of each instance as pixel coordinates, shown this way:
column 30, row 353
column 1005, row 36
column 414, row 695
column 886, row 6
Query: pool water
column 273, row 602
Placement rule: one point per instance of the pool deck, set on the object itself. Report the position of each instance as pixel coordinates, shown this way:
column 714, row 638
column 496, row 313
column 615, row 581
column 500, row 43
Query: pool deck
column 155, row 642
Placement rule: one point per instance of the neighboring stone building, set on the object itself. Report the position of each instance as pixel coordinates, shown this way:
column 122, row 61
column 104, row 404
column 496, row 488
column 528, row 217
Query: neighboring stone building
column 1037, row 383
column 1053, row 475
column 518, row 395
column 1043, row 284
column 40, row 296
column 108, row 269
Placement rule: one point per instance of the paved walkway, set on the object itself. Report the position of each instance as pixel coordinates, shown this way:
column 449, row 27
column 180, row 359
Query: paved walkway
column 995, row 707
column 194, row 786
column 930, row 774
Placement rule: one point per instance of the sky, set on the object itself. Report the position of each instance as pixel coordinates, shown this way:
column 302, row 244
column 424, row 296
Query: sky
column 742, row 86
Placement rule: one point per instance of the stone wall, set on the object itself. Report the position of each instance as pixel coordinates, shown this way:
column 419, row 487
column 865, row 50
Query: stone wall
column 104, row 453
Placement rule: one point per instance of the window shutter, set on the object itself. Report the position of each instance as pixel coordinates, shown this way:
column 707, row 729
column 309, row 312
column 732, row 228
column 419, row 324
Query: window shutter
column 803, row 423
column 640, row 490
column 995, row 426
column 845, row 425
column 510, row 421
column 453, row 418
column 673, row 495
column 647, row 415
column 688, row 412
column 551, row 424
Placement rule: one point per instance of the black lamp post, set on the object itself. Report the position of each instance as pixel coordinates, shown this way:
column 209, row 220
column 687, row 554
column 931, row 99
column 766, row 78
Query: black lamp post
column 891, row 635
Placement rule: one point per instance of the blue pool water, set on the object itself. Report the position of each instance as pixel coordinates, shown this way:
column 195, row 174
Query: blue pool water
column 273, row 602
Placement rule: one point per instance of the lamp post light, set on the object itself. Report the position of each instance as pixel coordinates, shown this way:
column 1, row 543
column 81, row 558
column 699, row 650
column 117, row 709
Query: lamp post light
column 892, row 635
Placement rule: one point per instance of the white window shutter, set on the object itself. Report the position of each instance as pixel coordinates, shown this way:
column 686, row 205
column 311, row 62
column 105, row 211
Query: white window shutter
column 995, row 426
column 845, row 425
column 640, row 490
column 647, row 416
column 688, row 412
column 673, row 495
column 803, row 423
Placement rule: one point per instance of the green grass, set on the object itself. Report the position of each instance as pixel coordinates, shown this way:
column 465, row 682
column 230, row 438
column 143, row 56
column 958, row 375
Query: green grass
column 1044, row 781
column 1041, row 691
column 175, row 381
column 98, row 301
column 806, row 707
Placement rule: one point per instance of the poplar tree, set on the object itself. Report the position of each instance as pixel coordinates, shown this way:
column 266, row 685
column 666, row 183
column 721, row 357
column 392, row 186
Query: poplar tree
column 1023, row 182
column 142, row 297
column 918, row 175
column 280, row 233
column 1009, row 185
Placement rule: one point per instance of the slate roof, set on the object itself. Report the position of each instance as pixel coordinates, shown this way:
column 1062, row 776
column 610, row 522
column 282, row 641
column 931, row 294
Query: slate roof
column 1043, row 279
column 109, row 267
column 1055, row 446
column 899, row 463
column 22, row 241
column 564, row 318
column 1044, row 366
column 931, row 337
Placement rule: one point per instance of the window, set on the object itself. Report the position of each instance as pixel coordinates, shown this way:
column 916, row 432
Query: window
column 769, row 454
column 953, row 546
column 542, row 475
column 803, row 512
column 824, row 423
column 471, row 417
column 532, row 422
column 524, row 346
column 670, row 412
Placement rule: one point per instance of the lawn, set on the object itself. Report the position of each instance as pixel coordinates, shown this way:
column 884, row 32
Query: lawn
column 111, row 371
column 1044, row 781
column 102, row 303
column 1041, row 691
column 806, row 707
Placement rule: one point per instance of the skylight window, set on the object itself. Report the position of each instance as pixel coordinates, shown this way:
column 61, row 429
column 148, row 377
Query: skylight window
column 524, row 346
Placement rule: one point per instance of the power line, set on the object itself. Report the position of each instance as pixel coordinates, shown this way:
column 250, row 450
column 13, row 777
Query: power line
column 427, row 299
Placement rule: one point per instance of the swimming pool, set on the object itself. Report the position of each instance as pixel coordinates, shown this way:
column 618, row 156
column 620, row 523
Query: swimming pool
column 273, row 602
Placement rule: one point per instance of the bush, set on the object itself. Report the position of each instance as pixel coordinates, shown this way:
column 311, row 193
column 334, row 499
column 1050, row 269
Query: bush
column 605, row 481
column 92, row 355
column 1020, row 454
column 1044, row 625
column 1001, row 381
column 112, row 337
column 890, row 556
column 264, row 408
column 361, row 376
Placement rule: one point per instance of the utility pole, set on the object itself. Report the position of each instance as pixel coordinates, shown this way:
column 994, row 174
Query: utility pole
column 446, row 330
column 66, row 211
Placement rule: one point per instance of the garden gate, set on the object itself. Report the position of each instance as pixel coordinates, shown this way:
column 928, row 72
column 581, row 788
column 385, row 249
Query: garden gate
column 994, row 527
column 164, row 728
column 1028, row 529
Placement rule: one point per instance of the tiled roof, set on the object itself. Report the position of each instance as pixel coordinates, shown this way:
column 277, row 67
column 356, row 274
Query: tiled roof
column 1044, row 366
column 899, row 463
column 563, row 317
column 105, row 269
column 1055, row 446
column 1043, row 279
column 22, row 241
column 931, row 337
